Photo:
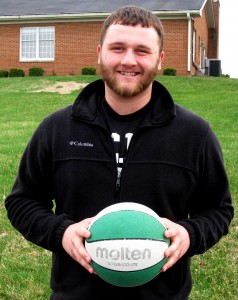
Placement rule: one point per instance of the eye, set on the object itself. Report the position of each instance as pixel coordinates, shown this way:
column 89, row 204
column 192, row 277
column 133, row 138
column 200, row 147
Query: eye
column 117, row 49
column 142, row 51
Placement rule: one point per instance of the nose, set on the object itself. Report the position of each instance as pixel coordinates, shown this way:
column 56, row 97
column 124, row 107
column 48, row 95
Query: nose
column 129, row 58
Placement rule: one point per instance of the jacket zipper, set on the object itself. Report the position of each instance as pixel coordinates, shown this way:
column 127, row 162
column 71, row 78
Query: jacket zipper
column 118, row 182
column 119, row 175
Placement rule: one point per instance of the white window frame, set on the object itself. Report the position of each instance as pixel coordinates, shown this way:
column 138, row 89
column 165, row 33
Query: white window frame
column 37, row 56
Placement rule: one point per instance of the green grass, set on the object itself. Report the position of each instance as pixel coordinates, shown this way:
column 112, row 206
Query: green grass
column 25, row 268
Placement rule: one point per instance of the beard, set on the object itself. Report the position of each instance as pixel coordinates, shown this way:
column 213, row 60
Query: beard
column 127, row 91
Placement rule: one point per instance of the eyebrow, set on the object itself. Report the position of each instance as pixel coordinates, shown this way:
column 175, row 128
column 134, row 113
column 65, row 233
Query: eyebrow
column 123, row 44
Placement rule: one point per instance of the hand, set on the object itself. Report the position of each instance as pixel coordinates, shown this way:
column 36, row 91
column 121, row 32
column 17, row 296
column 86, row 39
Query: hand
column 180, row 242
column 73, row 243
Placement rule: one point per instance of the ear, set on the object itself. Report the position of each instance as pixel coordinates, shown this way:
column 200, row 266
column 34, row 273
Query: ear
column 161, row 58
column 99, row 52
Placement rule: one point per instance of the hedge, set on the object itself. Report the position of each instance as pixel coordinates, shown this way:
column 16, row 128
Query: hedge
column 88, row 71
column 3, row 73
column 16, row 73
column 170, row 72
column 36, row 72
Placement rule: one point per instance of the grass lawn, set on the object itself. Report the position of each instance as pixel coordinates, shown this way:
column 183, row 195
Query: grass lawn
column 24, row 267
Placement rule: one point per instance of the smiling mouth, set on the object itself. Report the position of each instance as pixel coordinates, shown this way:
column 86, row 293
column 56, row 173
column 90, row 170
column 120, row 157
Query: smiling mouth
column 130, row 74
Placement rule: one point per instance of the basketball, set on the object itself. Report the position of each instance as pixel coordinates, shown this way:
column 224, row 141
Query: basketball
column 127, row 244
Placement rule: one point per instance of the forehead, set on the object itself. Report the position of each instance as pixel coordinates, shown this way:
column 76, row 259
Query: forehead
column 117, row 33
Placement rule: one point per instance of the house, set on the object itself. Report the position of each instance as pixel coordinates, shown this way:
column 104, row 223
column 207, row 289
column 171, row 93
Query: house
column 61, row 36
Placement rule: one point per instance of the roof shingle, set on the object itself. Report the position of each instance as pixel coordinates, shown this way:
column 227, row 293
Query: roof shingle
column 46, row 7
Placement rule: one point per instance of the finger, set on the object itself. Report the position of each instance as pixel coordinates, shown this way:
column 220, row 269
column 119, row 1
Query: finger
column 175, row 246
column 171, row 249
column 82, row 257
column 168, row 265
column 167, row 222
column 170, row 233
column 85, row 265
column 83, row 232
column 87, row 222
column 82, row 229
column 172, row 259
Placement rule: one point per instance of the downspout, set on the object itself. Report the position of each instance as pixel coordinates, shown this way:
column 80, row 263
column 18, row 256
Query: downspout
column 189, row 41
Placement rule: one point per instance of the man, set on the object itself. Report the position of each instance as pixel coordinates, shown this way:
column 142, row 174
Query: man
column 124, row 139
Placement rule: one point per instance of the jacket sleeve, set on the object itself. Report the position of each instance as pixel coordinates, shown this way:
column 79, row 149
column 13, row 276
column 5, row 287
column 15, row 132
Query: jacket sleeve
column 30, row 204
column 210, row 209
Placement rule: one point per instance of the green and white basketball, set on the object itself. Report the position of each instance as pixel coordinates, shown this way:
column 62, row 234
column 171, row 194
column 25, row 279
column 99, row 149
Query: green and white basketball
column 127, row 244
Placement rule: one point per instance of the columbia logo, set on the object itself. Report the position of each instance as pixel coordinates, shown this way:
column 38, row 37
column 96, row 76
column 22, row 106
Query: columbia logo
column 80, row 144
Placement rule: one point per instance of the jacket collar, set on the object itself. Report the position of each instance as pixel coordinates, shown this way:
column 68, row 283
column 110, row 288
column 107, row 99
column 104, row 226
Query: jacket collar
column 86, row 105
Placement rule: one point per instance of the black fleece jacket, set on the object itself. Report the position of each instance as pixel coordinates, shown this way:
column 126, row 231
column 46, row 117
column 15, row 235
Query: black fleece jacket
column 174, row 165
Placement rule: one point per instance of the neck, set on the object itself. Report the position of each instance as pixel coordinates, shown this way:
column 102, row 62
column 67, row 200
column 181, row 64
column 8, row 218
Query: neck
column 129, row 105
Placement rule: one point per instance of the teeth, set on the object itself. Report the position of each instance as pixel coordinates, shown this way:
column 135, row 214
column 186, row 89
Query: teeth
column 128, row 73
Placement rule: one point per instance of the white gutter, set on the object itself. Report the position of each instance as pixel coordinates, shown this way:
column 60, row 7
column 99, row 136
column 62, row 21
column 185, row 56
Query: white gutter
column 189, row 40
column 81, row 17
column 53, row 18
column 204, row 3
column 176, row 13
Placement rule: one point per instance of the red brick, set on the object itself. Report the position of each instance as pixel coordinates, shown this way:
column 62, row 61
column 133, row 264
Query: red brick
column 76, row 44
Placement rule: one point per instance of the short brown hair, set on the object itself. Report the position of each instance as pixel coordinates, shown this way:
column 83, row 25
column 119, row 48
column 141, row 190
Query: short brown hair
column 132, row 15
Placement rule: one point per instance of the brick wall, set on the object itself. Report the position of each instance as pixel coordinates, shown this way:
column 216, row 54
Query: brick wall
column 75, row 48
column 214, row 33
column 176, row 45
column 76, row 43
column 200, row 25
column 9, row 46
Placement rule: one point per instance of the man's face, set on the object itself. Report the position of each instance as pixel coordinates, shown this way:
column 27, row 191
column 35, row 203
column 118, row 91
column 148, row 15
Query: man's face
column 129, row 58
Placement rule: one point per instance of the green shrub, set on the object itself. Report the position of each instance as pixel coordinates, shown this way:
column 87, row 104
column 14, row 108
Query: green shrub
column 88, row 71
column 225, row 75
column 3, row 73
column 16, row 73
column 36, row 72
column 170, row 72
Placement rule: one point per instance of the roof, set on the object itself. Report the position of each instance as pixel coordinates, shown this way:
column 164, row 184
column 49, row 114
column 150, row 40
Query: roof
column 41, row 11
column 59, row 7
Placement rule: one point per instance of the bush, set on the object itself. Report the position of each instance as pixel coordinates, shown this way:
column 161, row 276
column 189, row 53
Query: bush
column 225, row 75
column 88, row 71
column 3, row 73
column 16, row 73
column 170, row 72
column 36, row 72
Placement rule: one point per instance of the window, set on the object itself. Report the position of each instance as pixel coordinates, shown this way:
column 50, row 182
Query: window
column 37, row 43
